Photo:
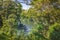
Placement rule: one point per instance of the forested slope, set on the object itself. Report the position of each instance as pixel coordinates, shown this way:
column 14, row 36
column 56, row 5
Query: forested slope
column 40, row 22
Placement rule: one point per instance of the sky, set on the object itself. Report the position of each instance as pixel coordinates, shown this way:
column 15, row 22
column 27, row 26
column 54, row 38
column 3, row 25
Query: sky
column 24, row 6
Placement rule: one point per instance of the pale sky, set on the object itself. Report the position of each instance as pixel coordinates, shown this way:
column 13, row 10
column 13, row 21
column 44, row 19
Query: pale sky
column 24, row 6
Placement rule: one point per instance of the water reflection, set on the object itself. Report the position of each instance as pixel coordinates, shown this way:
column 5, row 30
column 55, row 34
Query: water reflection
column 23, row 29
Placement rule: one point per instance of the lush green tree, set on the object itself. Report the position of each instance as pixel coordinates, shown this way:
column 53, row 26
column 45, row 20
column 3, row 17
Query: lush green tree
column 55, row 32
column 45, row 12
column 10, row 16
column 43, row 17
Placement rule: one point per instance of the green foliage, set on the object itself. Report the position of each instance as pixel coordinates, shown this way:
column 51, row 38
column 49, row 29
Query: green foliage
column 55, row 34
column 43, row 17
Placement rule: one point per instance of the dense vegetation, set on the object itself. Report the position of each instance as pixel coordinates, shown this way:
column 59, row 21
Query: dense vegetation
column 40, row 22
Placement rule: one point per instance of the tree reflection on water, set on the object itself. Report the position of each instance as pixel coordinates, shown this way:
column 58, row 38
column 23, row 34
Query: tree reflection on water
column 23, row 29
